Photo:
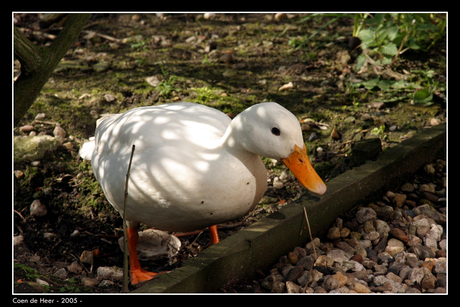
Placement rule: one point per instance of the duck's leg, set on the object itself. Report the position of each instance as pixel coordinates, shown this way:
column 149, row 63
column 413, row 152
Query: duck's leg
column 214, row 235
column 137, row 274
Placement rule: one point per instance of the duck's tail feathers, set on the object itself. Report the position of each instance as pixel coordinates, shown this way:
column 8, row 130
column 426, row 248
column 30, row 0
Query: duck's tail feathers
column 86, row 151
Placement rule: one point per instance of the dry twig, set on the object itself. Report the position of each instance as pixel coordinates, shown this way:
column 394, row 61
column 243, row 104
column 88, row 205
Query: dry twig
column 125, row 232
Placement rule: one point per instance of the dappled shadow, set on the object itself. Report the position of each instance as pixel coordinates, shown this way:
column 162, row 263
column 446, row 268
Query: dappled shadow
column 180, row 178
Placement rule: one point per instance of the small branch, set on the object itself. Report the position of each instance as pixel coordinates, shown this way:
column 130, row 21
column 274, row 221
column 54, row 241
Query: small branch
column 309, row 231
column 125, row 231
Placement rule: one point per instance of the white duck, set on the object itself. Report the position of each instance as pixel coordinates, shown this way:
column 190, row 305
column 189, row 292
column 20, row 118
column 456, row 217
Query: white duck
column 193, row 166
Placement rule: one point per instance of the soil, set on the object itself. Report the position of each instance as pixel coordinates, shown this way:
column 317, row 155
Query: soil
column 229, row 62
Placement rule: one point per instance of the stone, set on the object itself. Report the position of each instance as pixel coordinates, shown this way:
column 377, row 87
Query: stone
column 154, row 244
column 400, row 199
column 340, row 290
column 75, row 268
column 390, row 195
column 433, row 236
column 373, row 235
column 61, row 273
column 300, row 252
column 440, row 290
column 368, row 226
column 393, row 277
column 292, row 287
column 440, row 267
column 341, row 278
column 396, row 267
column 422, row 231
column 344, row 232
column 417, row 274
column 380, row 269
column 89, row 282
column 59, row 132
column 365, row 214
column 293, row 258
column 430, row 188
column 111, row 273
column 399, row 234
column 382, row 227
column 430, row 212
column 294, row 273
column 442, row 279
column 303, row 278
column 353, row 265
column 286, row 86
column 358, row 257
column 443, row 244
column 380, row 280
column 337, row 255
column 306, row 261
column 385, row 212
column 333, row 233
column 429, row 281
column 37, row 209
column 394, row 246
column 360, row 288
column 316, row 275
column 32, row 148
column 320, row 290
column 428, row 264
column 434, row 122
column 404, row 272
column 330, row 283
column 408, row 187
column 18, row 240
column 349, row 251
column 105, row 283
column 324, row 261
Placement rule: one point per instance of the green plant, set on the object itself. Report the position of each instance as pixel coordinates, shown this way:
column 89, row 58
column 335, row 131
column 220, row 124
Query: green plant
column 388, row 35
column 71, row 287
column 167, row 86
column 380, row 131
column 29, row 273
column 205, row 94
column 425, row 94
column 206, row 61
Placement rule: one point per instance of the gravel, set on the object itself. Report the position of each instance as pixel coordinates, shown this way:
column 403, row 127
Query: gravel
column 396, row 244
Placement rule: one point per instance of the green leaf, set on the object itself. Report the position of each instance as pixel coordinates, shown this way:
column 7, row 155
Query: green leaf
column 389, row 49
column 385, row 84
column 392, row 32
column 412, row 43
column 360, row 62
column 367, row 36
column 371, row 83
column 423, row 95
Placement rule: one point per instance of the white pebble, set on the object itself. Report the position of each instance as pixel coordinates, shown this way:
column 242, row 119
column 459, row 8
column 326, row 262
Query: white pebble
column 286, row 87
column 40, row 116
column 277, row 184
column 37, row 208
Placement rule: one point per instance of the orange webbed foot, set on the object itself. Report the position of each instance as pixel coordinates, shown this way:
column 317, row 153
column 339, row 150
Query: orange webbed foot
column 141, row 275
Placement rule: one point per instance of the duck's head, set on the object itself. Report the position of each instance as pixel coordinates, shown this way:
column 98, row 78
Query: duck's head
column 269, row 130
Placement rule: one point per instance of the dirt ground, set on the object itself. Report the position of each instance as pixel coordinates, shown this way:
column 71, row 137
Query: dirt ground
column 228, row 61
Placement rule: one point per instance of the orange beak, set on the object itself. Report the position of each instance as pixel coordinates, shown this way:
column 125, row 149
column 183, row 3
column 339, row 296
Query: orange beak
column 301, row 167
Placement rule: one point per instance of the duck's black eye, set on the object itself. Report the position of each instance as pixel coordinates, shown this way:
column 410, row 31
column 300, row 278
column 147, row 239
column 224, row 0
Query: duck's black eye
column 276, row 131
